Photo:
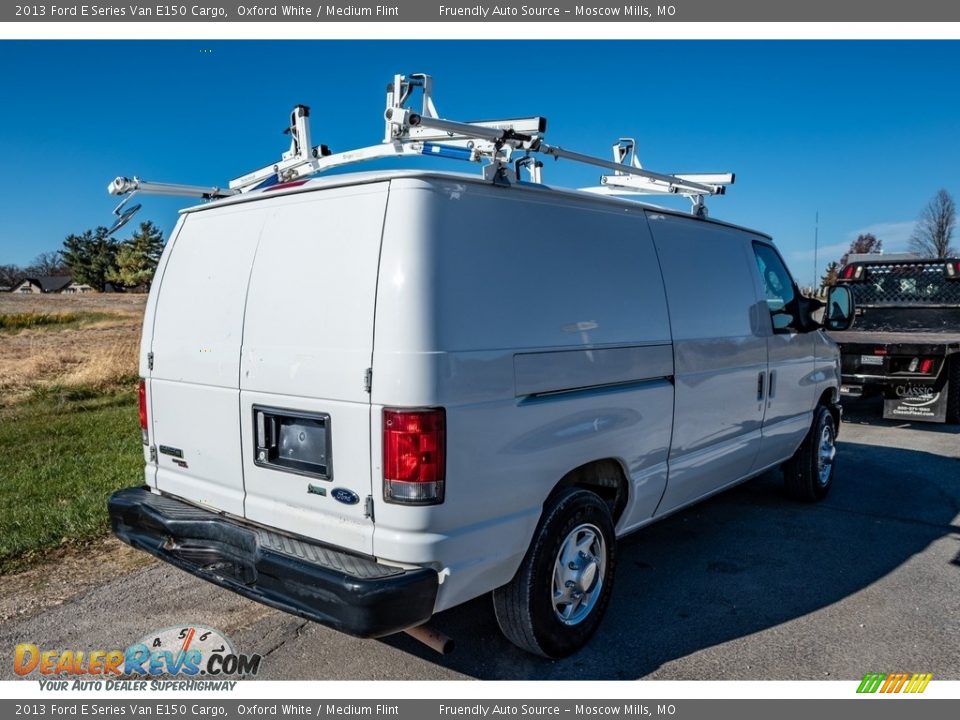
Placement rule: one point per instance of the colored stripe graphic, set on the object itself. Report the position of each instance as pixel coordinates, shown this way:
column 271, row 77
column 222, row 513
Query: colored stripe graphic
column 918, row 683
column 871, row 682
column 891, row 682
column 894, row 683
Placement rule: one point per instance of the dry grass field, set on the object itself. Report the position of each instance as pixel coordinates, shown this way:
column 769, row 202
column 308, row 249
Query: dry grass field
column 69, row 434
column 84, row 341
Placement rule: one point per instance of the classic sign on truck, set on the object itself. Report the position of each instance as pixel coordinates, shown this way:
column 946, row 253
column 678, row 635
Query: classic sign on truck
column 905, row 342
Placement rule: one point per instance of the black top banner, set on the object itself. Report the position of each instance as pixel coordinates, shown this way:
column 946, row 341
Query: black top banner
column 465, row 11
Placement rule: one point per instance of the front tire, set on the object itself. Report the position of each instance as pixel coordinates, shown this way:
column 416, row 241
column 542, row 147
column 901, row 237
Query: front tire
column 559, row 595
column 808, row 475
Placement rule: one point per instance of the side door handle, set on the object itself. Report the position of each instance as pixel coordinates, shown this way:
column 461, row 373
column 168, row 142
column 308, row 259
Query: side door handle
column 760, row 385
column 772, row 389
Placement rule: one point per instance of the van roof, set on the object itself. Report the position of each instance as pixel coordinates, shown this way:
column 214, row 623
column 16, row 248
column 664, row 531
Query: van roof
column 324, row 182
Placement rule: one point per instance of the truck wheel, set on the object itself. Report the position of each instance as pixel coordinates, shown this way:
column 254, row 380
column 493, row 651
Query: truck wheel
column 558, row 597
column 809, row 473
column 953, row 391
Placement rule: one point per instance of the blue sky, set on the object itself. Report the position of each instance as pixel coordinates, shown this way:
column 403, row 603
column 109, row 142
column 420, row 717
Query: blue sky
column 863, row 132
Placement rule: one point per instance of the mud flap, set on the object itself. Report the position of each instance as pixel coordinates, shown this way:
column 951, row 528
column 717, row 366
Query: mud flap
column 916, row 403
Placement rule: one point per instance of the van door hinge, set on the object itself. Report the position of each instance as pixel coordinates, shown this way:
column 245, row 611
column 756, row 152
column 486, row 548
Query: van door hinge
column 368, row 380
column 368, row 507
column 153, row 453
column 150, row 360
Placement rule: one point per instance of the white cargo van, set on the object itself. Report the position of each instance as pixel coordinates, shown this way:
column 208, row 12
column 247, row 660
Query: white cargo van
column 370, row 397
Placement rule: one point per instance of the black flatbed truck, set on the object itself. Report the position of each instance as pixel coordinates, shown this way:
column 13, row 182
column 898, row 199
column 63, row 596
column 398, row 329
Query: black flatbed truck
column 905, row 340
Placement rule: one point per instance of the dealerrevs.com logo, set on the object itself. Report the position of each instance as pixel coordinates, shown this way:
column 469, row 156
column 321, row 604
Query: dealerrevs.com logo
column 189, row 652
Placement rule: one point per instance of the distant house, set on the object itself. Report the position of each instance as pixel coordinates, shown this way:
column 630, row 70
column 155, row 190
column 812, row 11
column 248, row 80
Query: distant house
column 40, row 285
column 76, row 288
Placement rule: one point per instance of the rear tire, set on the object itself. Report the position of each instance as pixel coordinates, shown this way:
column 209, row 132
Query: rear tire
column 808, row 475
column 953, row 391
column 558, row 597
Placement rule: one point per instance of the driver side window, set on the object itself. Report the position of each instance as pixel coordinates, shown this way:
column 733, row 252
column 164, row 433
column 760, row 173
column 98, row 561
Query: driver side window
column 778, row 286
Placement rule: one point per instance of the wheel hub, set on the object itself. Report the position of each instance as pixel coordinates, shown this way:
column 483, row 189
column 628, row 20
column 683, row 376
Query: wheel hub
column 578, row 574
column 825, row 454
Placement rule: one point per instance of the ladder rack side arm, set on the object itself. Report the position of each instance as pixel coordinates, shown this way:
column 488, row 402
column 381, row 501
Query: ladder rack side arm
column 125, row 186
column 680, row 185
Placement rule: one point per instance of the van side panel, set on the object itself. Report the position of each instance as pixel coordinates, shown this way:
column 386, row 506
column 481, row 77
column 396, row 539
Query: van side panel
column 307, row 344
column 541, row 327
column 194, row 387
column 720, row 351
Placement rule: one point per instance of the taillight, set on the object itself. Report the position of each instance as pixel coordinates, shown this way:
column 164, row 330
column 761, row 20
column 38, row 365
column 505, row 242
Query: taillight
column 852, row 272
column 926, row 366
column 142, row 396
column 953, row 270
column 414, row 456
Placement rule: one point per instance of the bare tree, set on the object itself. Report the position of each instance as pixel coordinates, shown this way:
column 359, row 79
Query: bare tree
column 47, row 264
column 934, row 230
column 10, row 275
column 865, row 244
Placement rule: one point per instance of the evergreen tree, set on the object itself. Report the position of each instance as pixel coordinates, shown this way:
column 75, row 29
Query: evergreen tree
column 829, row 278
column 90, row 257
column 137, row 258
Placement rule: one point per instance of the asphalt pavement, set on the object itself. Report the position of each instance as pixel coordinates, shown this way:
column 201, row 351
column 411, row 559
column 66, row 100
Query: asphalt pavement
column 748, row 586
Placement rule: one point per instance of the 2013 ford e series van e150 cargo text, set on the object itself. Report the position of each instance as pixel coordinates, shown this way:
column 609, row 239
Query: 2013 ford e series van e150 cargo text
column 370, row 397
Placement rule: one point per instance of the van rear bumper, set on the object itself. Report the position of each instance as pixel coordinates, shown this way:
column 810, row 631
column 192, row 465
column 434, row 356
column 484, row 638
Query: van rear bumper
column 350, row 593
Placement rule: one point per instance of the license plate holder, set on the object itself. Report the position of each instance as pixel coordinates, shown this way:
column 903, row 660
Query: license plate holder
column 292, row 441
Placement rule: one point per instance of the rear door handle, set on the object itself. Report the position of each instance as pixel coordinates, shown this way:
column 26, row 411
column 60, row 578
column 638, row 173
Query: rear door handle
column 772, row 389
column 760, row 385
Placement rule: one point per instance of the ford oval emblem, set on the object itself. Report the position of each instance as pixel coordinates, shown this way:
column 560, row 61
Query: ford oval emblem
column 347, row 497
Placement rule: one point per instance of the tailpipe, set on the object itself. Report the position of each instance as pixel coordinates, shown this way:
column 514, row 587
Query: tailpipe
column 432, row 638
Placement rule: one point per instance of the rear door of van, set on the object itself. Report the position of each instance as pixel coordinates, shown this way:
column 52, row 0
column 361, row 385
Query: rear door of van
column 193, row 387
column 304, row 409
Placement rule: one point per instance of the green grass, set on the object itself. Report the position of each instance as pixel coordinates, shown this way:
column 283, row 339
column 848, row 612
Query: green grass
column 61, row 455
column 29, row 320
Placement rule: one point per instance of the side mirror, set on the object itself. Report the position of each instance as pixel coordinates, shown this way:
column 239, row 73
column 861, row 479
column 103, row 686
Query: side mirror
column 783, row 321
column 838, row 315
